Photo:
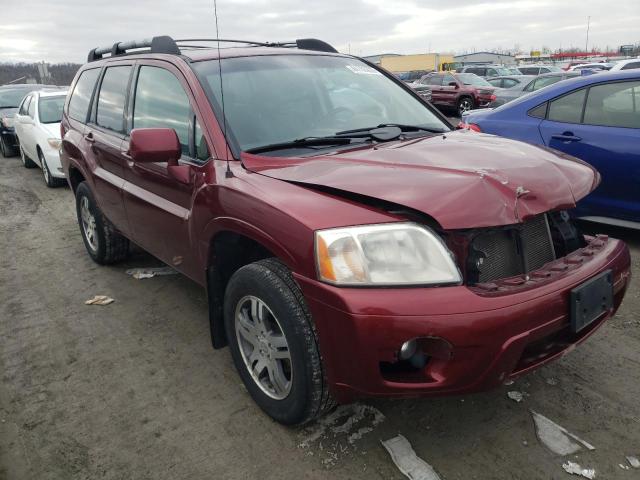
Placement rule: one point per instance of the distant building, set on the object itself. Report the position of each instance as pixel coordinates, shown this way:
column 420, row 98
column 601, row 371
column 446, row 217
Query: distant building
column 422, row 61
column 377, row 58
column 485, row 57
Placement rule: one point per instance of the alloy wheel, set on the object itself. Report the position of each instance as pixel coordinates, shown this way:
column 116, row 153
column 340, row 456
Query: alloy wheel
column 263, row 347
column 88, row 224
column 465, row 106
column 45, row 170
column 22, row 156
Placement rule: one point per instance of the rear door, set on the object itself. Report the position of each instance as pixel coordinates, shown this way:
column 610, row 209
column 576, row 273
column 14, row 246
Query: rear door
column 158, row 205
column 104, row 135
column 22, row 118
column 601, row 125
column 449, row 93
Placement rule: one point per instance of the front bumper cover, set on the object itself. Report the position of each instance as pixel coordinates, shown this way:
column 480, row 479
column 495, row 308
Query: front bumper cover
column 496, row 331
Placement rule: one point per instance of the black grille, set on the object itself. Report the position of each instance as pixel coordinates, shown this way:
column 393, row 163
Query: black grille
column 510, row 251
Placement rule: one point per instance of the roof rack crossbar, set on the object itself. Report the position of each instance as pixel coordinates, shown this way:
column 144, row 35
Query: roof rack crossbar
column 166, row 44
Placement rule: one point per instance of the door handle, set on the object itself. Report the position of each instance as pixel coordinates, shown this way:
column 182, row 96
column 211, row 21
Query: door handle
column 89, row 137
column 566, row 137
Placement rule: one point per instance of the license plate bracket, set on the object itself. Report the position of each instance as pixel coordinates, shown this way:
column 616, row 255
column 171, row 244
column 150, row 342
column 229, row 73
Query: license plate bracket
column 591, row 300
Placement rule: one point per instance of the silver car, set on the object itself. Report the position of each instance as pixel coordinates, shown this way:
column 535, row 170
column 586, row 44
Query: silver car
column 534, row 83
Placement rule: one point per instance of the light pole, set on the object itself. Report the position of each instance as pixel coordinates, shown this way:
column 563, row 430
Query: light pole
column 586, row 45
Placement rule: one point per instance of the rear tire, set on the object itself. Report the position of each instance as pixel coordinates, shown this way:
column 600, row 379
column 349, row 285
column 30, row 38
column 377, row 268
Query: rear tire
column 49, row 180
column 464, row 105
column 301, row 394
column 26, row 161
column 104, row 244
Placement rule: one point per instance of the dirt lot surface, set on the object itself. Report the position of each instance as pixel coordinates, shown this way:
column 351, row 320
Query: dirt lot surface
column 133, row 390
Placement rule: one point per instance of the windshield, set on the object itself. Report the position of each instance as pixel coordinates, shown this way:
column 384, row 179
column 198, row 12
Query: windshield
column 11, row 98
column 473, row 79
column 279, row 98
column 50, row 109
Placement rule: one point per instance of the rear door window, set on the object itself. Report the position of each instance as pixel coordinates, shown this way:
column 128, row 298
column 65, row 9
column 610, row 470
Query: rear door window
column 81, row 96
column 567, row 109
column 161, row 102
column 112, row 97
column 435, row 80
column 509, row 82
column 614, row 105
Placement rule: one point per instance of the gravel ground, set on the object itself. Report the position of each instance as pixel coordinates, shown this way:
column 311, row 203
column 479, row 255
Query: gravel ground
column 134, row 389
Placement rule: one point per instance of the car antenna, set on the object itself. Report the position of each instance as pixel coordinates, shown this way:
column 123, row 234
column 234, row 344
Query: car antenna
column 228, row 173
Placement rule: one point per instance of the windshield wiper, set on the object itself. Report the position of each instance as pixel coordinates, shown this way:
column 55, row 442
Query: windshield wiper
column 402, row 127
column 303, row 143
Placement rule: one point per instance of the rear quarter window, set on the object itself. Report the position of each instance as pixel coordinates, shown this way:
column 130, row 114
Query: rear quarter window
column 81, row 95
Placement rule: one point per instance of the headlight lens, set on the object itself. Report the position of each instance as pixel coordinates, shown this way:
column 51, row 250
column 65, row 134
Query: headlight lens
column 8, row 122
column 387, row 254
column 54, row 143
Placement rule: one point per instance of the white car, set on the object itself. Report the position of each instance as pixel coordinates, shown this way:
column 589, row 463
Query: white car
column 37, row 125
column 626, row 64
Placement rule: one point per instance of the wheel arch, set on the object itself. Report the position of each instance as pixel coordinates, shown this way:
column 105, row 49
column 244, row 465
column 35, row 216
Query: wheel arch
column 75, row 177
column 231, row 245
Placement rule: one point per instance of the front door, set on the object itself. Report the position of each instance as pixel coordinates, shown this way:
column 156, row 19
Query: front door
column 157, row 204
column 601, row 125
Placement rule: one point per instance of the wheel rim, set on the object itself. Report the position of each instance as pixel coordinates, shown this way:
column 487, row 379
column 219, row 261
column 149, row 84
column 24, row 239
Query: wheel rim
column 465, row 106
column 45, row 170
column 88, row 224
column 263, row 347
column 22, row 157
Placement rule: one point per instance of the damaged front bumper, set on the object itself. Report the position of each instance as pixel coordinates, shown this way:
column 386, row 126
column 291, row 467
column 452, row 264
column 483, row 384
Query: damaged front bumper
column 474, row 338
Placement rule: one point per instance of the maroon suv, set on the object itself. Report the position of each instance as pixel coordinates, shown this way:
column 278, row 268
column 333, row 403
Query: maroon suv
column 462, row 91
column 350, row 242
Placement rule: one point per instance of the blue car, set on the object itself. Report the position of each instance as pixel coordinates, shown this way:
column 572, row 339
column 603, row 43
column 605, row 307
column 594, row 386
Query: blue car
column 595, row 118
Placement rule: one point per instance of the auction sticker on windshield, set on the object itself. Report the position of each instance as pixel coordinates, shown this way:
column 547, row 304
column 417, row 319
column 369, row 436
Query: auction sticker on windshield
column 363, row 70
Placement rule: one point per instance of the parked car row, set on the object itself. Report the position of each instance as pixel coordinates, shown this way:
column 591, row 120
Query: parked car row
column 30, row 124
column 595, row 118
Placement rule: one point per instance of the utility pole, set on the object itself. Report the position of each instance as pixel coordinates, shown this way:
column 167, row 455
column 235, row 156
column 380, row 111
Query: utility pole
column 586, row 45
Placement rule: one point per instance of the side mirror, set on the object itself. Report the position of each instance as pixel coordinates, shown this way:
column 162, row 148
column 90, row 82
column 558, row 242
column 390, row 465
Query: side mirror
column 148, row 145
column 159, row 145
column 453, row 84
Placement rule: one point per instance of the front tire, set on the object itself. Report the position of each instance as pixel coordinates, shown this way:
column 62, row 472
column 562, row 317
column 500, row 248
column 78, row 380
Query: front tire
column 26, row 161
column 49, row 180
column 273, row 343
column 5, row 149
column 104, row 244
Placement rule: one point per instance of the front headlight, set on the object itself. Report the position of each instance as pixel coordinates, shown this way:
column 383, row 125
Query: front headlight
column 386, row 254
column 54, row 143
column 8, row 122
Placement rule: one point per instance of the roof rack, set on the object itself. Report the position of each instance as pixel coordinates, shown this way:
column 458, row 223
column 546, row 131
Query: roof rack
column 166, row 44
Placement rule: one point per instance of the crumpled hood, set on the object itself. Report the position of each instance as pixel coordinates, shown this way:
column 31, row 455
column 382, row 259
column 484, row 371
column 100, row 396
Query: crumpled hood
column 462, row 179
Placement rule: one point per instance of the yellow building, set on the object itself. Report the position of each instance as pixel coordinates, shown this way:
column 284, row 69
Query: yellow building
column 421, row 61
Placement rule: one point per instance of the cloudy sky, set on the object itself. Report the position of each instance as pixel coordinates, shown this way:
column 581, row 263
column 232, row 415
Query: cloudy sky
column 65, row 30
